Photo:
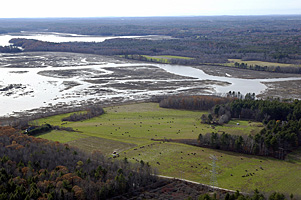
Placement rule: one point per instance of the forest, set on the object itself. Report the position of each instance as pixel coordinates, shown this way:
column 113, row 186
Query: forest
column 34, row 168
column 206, row 39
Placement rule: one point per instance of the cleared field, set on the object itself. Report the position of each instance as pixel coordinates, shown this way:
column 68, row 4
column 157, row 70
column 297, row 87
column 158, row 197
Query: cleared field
column 62, row 136
column 260, row 63
column 139, row 123
column 178, row 160
column 129, row 129
column 89, row 144
column 172, row 57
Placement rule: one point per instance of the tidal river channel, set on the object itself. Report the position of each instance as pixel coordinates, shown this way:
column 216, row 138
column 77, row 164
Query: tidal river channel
column 39, row 79
column 29, row 81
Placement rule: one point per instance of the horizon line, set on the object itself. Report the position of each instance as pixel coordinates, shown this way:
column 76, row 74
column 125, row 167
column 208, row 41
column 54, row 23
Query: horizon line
column 225, row 15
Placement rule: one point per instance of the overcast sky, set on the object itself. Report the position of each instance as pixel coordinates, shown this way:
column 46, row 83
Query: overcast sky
column 116, row 8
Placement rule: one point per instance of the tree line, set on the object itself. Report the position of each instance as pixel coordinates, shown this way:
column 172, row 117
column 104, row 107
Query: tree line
column 9, row 49
column 22, row 121
column 91, row 111
column 34, row 168
column 281, row 133
column 204, row 51
column 239, row 196
column 194, row 102
column 275, row 140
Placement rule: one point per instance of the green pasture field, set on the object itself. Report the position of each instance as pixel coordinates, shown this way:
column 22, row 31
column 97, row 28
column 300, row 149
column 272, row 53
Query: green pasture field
column 260, row 63
column 129, row 129
column 172, row 57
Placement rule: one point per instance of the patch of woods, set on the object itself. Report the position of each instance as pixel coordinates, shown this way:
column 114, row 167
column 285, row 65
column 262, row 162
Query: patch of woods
column 34, row 168
column 9, row 49
column 44, row 128
column 92, row 111
column 280, row 135
column 200, row 102
column 33, row 130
